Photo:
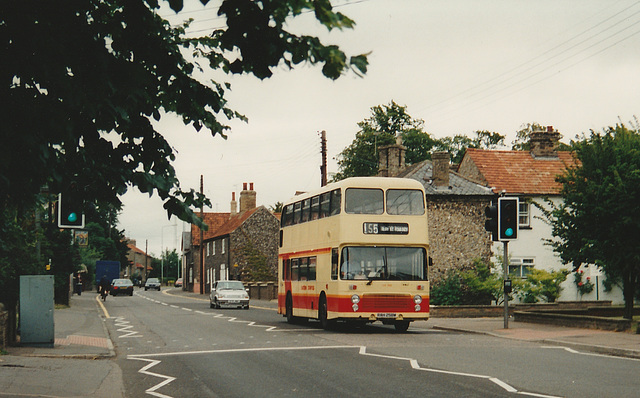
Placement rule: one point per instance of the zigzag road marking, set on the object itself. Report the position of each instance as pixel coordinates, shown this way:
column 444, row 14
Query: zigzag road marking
column 145, row 370
column 362, row 350
column 124, row 326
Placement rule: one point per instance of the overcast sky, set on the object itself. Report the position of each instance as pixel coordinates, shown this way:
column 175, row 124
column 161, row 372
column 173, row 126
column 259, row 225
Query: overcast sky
column 461, row 66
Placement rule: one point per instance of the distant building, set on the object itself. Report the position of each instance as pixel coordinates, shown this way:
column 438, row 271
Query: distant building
column 238, row 245
column 137, row 260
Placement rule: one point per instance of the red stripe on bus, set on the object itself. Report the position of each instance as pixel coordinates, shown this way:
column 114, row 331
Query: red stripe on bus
column 373, row 304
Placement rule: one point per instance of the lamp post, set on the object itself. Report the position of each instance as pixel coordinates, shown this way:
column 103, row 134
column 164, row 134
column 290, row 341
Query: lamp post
column 163, row 252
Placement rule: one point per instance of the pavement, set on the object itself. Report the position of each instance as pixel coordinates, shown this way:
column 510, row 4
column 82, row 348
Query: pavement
column 83, row 347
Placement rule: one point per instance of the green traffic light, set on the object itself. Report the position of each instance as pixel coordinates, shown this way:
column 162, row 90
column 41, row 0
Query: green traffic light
column 72, row 217
column 508, row 232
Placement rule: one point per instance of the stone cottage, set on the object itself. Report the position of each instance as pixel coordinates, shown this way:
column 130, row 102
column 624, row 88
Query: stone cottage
column 455, row 207
column 240, row 245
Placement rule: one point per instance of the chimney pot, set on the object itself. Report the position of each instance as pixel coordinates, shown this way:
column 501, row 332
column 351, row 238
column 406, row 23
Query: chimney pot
column 244, row 186
column 247, row 198
column 250, row 186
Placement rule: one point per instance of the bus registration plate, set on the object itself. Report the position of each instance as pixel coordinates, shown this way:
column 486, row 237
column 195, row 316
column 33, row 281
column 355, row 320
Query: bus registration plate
column 386, row 315
column 385, row 228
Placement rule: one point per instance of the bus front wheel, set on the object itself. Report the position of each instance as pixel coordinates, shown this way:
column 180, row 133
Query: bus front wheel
column 401, row 326
column 325, row 323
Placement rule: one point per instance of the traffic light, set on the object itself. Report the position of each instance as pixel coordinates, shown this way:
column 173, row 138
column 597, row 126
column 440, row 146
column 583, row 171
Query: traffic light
column 491, row 224
column 508, row 219
column 70, row 209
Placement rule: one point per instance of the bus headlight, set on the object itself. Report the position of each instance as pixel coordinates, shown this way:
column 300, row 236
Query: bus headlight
column 355, row 307
column 418, row 307
column 355, row 299
column 417, row 299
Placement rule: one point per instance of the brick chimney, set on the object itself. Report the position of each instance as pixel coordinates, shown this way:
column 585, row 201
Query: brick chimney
column 247, row 198
column 544, row 143
column 234, row 204
column 440, row 172
column 391, row 160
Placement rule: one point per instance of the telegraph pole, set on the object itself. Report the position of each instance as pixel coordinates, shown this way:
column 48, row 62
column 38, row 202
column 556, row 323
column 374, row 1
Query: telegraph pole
column 323, row 150
column 201, row 239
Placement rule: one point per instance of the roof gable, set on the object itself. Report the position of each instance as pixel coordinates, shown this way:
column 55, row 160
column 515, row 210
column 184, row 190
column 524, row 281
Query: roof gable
column 517, row 172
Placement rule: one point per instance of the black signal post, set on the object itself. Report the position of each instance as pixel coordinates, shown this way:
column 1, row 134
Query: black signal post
column 70, row 209
column 507, row 219
column 491, row 223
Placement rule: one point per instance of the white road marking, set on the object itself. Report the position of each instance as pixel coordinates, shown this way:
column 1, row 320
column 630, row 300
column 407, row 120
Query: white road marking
column 362, row 350
column 123, row 325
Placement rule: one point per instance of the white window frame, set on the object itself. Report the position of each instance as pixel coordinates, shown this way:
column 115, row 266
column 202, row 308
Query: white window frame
column 521, row 267
column 223, row 243
column 208, row 248
column 213, row 249
column 524, row 213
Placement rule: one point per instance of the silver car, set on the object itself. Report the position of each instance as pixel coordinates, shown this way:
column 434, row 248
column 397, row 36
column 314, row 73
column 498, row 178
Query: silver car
column 228, row 294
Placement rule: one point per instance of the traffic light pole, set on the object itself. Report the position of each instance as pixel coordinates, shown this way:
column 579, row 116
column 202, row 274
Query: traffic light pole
column 505, row 270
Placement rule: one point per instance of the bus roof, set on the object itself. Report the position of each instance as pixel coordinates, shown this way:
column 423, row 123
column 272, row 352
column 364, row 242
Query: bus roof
column 362, row 182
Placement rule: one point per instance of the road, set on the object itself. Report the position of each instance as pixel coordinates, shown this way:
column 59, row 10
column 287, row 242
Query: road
column 174, row 346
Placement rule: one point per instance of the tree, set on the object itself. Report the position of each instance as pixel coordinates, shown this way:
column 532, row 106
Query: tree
column 386, row 123
column 81, row 83
column 78, row 102
column 598, row 222
column 458, row 144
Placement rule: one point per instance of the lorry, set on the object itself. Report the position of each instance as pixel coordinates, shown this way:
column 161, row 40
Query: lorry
column 110, row 269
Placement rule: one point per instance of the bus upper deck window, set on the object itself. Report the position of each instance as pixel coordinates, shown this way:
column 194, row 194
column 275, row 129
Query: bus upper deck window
column 287, row 215
column 325, row 204
column 408, row 202
column 336, row 198
column 315, row 207
column 297, row 212
column 364, row 201
column 306, row 210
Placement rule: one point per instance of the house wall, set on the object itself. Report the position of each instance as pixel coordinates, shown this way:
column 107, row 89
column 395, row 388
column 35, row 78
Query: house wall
column 260, row 233
column 456, row 234
column 531, row 243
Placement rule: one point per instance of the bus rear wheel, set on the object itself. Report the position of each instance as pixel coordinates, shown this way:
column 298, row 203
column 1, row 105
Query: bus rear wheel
column 289, row 309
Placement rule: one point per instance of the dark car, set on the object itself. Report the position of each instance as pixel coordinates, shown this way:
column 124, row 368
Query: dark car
column 152, row 283
column 121, row 286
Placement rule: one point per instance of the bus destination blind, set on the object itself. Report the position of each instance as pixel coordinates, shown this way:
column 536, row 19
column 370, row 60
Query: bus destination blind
column 385, row 228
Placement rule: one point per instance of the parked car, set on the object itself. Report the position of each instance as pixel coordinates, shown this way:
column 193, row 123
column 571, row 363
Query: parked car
column 121, row 286
column 178, row 282
column 228, row 293
column 152, row 283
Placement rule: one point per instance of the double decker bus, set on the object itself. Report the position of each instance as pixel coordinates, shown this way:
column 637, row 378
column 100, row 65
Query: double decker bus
column 357, row 250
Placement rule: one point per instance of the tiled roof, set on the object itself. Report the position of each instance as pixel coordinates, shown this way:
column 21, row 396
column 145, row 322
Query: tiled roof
column 517, row 172
column 233, row 223
column 458, row 185
column 136, row 249
column 220, row 224
column 214, row 221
